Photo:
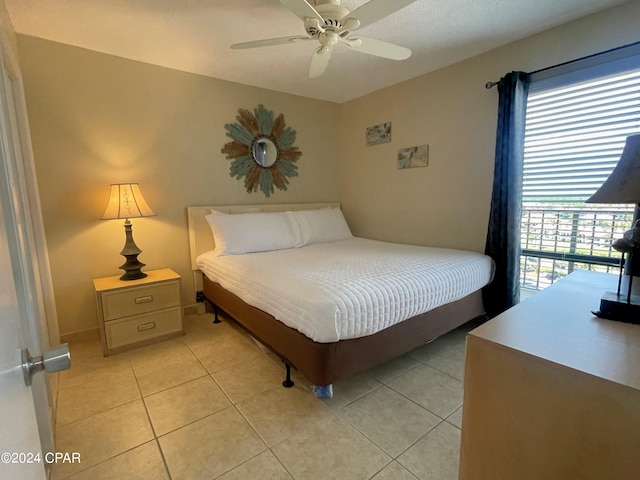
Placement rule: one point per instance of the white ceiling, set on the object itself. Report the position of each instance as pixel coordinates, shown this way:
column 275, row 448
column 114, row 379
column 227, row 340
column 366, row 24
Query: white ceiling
column 194, row 36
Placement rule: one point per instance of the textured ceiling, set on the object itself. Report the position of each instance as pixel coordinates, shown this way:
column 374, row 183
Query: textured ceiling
column 194, row 36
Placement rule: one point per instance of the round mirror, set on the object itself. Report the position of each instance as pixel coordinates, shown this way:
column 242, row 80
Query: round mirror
column 264, row 152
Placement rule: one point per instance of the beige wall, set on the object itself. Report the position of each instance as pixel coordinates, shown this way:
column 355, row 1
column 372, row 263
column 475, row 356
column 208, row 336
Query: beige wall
column 7, row 31
column 97, row 119
column 447, row 203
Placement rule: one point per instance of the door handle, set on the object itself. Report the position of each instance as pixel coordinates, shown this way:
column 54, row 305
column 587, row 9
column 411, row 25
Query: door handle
column 53, row 360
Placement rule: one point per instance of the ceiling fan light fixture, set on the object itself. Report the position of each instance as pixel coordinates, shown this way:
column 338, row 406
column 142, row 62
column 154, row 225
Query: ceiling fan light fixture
column 328, row 38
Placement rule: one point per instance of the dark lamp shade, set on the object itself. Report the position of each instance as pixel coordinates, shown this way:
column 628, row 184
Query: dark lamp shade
column 623, row 185
column 126, row 201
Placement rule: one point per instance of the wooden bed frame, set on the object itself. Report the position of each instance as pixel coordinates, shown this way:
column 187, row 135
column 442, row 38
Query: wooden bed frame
column 320, row 363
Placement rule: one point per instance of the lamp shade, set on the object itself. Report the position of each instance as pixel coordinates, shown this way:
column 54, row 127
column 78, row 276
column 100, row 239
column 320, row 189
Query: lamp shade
column 623, row 185
column 126, row 201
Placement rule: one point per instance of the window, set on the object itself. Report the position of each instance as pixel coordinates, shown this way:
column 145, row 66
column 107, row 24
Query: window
column 576, row 128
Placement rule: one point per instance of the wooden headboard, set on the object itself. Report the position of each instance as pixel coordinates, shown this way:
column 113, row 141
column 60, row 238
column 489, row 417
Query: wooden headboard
column 200, row 236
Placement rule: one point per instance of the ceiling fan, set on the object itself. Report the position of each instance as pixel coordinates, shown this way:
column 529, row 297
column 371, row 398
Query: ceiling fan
column 329, row 23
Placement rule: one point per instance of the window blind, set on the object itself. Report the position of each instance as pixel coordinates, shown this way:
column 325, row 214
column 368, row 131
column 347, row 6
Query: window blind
column 576, row 127
column 575, row 134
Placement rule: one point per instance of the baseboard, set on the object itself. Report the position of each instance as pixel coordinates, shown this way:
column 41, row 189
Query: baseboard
column 82, row 336
column 195, row 309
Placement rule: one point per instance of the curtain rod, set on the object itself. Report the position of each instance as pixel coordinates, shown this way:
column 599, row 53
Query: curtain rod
column 490, row 85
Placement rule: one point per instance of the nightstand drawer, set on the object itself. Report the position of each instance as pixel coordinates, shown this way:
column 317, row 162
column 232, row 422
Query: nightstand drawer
column 142, row 327
column 137, row 300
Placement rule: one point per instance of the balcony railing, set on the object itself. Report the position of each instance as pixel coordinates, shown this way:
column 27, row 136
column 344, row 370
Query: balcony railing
column 558, row 239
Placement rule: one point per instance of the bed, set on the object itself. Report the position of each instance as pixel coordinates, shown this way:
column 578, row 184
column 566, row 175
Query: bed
column 328, row 327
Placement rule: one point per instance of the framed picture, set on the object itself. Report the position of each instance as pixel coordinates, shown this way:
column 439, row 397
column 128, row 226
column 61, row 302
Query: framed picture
column 379, row 134
column 412, row 157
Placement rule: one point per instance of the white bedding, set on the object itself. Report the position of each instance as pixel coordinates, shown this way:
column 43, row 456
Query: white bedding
column 351, row 288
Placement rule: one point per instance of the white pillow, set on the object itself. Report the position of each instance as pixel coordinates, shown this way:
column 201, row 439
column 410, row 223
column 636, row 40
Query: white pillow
column 322, row 226
column 239, row 233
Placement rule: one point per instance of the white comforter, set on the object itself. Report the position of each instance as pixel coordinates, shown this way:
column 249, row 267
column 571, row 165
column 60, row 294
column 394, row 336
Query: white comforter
column 351, row 288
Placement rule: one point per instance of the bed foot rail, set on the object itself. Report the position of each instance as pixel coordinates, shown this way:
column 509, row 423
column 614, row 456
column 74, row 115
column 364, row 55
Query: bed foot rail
column 215, row 313
column 287, row 382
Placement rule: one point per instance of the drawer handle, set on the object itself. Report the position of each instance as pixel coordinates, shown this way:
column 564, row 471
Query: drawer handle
column 146, row 326
column 145, row 299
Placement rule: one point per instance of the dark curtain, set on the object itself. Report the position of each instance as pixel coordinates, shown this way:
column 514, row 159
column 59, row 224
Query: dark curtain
column 503, row 233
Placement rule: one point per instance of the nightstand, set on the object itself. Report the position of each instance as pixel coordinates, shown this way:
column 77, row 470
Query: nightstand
column 138, row 312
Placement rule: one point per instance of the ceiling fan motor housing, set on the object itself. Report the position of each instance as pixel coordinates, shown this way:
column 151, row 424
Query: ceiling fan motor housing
column 332, row 13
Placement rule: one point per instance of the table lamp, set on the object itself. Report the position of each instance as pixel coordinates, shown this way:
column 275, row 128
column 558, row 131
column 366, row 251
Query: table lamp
column 623, row 186
column 126, row 201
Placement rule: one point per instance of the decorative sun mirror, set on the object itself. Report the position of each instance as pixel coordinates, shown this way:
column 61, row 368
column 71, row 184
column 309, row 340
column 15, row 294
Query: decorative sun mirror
column 262, row 150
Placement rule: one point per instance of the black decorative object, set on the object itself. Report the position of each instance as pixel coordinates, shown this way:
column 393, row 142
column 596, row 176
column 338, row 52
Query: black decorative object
column 623, row 186
column 624, row 305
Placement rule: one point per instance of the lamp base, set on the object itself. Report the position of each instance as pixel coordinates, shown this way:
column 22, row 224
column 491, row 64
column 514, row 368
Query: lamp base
column 616, row 307
column 132, row 268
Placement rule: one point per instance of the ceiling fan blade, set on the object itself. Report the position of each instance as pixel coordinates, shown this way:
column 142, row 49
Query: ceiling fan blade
column 302, row 9
column 270, row 42
column 319, row 61
column 374, row 10
column 378, row 48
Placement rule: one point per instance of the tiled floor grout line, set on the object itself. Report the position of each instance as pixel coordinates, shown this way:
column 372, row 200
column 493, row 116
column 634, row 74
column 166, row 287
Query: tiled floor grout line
column 164, row 460
column 98, row 413
column 424, row 408
column 153, row 428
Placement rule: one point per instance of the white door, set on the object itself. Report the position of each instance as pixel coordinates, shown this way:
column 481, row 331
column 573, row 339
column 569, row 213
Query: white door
column 19, row 435
column 26, row 297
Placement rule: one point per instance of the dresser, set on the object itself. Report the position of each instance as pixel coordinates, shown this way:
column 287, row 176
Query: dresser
column 552, row 392
column 138, row 312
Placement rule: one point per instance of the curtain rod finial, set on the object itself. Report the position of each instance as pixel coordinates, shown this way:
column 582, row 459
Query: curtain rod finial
column 490, row 85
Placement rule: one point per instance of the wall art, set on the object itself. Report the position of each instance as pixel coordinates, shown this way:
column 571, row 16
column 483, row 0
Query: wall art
column 412, row 157
column 262, row 150
column 378, row 134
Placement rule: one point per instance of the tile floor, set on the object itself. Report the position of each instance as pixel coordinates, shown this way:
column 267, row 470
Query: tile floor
column 211, row 405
